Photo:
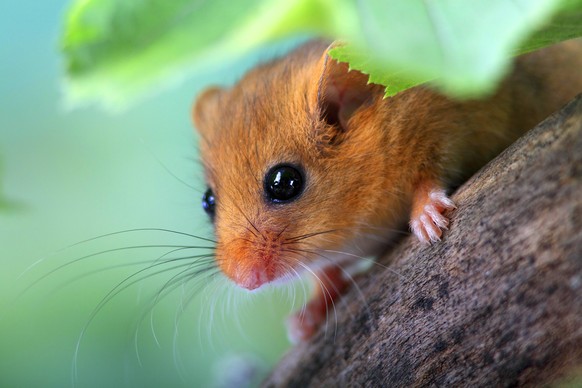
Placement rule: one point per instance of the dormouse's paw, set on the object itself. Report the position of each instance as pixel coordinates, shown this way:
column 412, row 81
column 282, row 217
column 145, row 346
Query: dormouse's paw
column 427, row 221
column 330, row 285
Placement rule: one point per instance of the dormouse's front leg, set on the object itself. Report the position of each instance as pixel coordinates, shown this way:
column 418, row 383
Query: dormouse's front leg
column 429, row 203
column 331, row 283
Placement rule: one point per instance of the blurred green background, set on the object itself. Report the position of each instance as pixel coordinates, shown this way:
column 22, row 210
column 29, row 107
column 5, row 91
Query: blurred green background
column 71, row 175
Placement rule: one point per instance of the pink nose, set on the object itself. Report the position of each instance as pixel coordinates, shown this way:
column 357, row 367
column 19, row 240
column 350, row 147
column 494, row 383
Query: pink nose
column 252, row 278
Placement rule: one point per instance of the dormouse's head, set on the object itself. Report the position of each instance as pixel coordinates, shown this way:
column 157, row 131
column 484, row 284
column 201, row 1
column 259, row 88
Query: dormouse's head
column 291, row 155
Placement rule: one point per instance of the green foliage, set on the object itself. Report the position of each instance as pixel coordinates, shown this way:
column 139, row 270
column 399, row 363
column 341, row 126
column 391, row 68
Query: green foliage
column 115, row 50
column 118, row 50
column 462, row 47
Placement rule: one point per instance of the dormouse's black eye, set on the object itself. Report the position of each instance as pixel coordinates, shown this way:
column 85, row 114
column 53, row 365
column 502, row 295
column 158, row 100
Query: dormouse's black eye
column 283, row 183
column 208, row 203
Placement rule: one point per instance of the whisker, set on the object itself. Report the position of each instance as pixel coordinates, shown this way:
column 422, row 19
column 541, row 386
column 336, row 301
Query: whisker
column 178, row 279
column 126, row 231
column 372, row 261
column 197, row 190
column 243, row 239
column 302, row 286
column 248, row 219
column 316, row 251
column 344, row 271
column 250, row 231
column 62, row 266
column 169, row 286
column 158, row 297
column 399, row 231
column 124, row 284
column 121, row 286
column 305, row 298
column 326, row 293
column 282, row 231
column 308, row 235
column 111, row 267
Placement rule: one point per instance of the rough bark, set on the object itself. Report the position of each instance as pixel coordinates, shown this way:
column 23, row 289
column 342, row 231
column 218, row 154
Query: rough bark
column 497, row 303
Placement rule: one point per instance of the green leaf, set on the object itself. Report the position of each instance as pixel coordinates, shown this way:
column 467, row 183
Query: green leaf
column 461, row 47
column 566, row 24
column 116, row 51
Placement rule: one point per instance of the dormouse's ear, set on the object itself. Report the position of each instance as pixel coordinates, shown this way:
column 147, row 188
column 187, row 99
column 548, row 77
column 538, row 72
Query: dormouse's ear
column 340, row 93
column 206, row 108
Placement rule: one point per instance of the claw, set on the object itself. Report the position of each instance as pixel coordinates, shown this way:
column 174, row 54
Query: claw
column 427, row 221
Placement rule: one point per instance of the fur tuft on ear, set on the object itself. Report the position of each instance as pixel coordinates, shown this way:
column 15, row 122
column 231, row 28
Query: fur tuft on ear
column 340, row 93
column 205, row 109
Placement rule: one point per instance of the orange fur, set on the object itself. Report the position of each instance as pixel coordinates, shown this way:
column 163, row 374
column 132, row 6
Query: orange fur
column 366, row 158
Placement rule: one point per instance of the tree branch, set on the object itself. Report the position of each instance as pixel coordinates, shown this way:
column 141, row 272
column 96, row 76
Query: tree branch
column 497, row 303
